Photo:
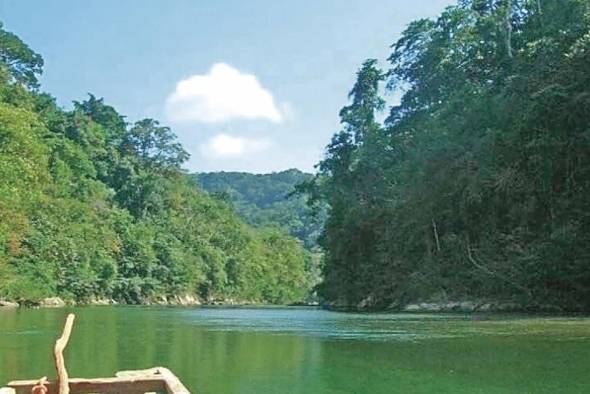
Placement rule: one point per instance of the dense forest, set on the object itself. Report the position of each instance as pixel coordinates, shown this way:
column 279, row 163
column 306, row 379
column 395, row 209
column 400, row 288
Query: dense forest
column 473, row 187
column 476, row 185
column 268, row 200
column 93, row 207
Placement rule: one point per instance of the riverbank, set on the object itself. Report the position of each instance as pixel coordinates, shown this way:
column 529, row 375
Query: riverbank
column 57, row 302
column 188, row 300
column 180, row 300
column 451, row 306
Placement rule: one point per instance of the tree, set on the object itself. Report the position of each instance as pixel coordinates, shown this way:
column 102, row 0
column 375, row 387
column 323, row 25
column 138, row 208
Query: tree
column 347, row 187
column 154, row 145
column 22, row 64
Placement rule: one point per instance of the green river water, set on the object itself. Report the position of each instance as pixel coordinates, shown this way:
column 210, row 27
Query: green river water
column 303, row 350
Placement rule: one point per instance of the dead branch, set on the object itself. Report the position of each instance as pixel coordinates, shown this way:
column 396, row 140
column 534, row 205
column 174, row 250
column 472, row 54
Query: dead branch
column 60, row 366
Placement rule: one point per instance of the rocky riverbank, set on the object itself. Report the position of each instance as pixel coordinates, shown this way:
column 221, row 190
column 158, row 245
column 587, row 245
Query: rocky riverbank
column 8, row 304
column 188, row 300
column 57, row 302
column 177, row 300
column 447, row 306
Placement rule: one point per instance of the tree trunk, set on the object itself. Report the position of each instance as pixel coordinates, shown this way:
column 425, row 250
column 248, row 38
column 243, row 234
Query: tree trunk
column 435, row 235
column 508, row 24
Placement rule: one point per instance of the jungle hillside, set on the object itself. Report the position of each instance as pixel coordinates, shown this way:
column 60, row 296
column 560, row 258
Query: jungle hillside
column 94, row 207
column 264, row 200
column 460, row 173
column 475, row 185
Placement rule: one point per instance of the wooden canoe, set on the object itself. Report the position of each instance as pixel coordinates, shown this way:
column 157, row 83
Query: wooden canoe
column 153, row 380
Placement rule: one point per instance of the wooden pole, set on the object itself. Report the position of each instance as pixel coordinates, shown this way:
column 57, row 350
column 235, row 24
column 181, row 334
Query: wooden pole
column 60, row 366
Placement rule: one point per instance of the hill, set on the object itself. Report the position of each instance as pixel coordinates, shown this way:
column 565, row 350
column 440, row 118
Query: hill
column 476, row 185
column 266, row 200
column 92, row 207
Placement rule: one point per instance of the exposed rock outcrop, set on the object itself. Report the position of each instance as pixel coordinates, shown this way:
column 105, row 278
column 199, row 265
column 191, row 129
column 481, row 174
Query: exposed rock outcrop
column 184, row 300
column 52, row 302
column 8, row 304
column 102, row 301
column 448, row 306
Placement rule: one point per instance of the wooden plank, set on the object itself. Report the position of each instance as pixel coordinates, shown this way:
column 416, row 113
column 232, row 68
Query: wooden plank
column 139, row 372
column 173, row 384
column 140, row 384
column 7, row 390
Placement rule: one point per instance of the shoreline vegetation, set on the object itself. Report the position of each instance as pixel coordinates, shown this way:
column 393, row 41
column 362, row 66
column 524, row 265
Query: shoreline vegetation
column 470, row 195
column 475, row 185
column 417, row 307
column 186, row 300
column 94, row 207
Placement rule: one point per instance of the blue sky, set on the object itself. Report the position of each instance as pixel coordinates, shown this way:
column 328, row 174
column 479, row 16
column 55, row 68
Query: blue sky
column 246, row 85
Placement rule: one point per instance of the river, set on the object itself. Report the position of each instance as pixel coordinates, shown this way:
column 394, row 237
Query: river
column 305, row 350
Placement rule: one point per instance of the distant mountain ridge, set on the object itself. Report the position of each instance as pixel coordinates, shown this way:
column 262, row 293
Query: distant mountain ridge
column 264, row 200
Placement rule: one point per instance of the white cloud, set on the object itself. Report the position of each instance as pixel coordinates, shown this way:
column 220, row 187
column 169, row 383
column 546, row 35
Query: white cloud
column 227, row 146
column 221, row 95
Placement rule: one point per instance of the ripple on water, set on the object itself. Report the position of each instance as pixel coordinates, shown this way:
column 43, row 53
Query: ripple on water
column 331, row 325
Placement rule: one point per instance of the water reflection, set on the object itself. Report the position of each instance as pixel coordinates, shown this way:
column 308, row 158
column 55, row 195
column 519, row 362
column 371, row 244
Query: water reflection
column 220, row 350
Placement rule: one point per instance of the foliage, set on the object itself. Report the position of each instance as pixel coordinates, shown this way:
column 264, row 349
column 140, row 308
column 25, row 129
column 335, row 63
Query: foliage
column 92, row 207
column 476, row 186
column 265, row 200
column 18, row 60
